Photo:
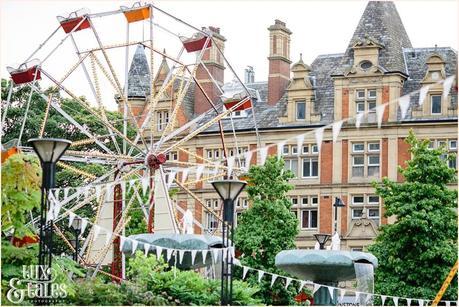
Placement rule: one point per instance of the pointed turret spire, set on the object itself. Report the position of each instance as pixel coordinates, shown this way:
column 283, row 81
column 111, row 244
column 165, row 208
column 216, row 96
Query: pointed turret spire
column 163, row 70
column 139, row 74
column 381, row 22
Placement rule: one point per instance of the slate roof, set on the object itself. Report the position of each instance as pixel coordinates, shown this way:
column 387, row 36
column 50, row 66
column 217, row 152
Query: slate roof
column 139, row 74
column 381, row 22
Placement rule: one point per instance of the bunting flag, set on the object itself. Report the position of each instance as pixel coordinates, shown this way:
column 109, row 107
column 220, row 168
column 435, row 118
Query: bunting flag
column 383, row 299
column 57, row 210
column 204, row 255
column 336, row 128
column 404, row 103
column 170, row 179
column 302, row 283
column 84, row 223
column 181, row 254
column 122, row 240
column 215, row 254
column 421, row 302
column 395, row 299
column 358, row 119
column 331, row 290
column 380, row 113
column 273, row 279
column 357, row 296
column 145, row 185
column 134, row 245
column 131, row 184
column 447, row 86
column 263, row 155
column 169, row 254
column 260, row 275
column 71, row 218
column 146, row 247
column 319, row 134
column 299, row 143
column 280, row 148
column 96, row 231
column 342, row 292
column 288, row 280
column 248, row 158
column 199, row 171
column 66, row 193
column 159, row 251
column 408, row 302
column 230, row 164
column 193, row 256
column 244, row 272
column 184, row 175
column 422, row 94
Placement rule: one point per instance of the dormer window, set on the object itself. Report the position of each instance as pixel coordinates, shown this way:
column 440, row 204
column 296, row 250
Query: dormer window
column 365, row 100
column 300, row 110
column 435, row 104
column 365, row 65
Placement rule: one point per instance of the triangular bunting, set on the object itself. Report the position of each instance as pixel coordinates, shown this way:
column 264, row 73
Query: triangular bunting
column 145, row 184
column 336, row 128
column 181, row 254
column 302, row 283
column 395, row 299
column 170, row 179
column 71, row 218
column 408, row 302
column 288, row 280
column 57, row 210
column 193, row 256
column 447, row 86
column 96, row 232
column 215, row 254
column 342, row 292
column 404, row 103
column 204, row 255
column 421, row 302
column 422, row 94
column 263, row 155
column 122, row 240
column 280, row 149
column 131, row 184
column 146, row 248
column 134, row 244
column 358, row 119
column 199, row 171
column 357, row 296
column 159, row 251
column 248, row 158
column 66, row 193
column 230, row 162
column 84, row 223
column 260, row 275
column 368, row 299
column 315, row 288
column 331, row 291
column 184, row 175
column 169, row 254
column 380, row 113
column 273, row 279
column 319, row 134
column 383, row 299
column 244, row 271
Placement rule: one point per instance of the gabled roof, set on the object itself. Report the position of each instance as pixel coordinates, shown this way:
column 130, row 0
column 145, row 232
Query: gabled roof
column 139, row 75
column 382, row 23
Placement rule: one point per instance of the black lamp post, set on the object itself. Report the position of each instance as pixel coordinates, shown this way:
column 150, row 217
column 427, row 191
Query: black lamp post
column 49, row 151
column 338, row 204
column 228, row 190
column 76, row 225
column 322, row 238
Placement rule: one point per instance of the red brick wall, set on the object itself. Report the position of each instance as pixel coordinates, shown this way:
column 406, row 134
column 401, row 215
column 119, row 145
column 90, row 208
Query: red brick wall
column 386, row 98
column 344, row 215
column 344, row 161
column 199, row 152
column 383, row 218
column 183, row 157
column 201, row 104
column 182, row 204
column 198, row 216
column 272, row 150
column 385, row 158
column 325, row 214
column 277, row 84
column 403, row 155
column 345, row 103
column 326, row 162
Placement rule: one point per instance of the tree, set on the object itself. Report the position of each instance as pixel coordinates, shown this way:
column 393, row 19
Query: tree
column 21, row 180
column 416, row 252
column 267, row 227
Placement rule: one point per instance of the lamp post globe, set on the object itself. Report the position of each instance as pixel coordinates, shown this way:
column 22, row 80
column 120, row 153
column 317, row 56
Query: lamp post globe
column 77, row 224
column 228, row 190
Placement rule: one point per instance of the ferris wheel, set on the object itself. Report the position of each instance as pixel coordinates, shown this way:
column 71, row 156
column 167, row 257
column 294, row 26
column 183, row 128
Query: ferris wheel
column 93, row 51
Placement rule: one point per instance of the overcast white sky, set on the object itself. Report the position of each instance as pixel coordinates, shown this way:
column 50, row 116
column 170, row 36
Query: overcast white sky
column 318, row 27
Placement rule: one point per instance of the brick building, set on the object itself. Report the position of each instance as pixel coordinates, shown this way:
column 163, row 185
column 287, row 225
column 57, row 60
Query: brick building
column 378, row 66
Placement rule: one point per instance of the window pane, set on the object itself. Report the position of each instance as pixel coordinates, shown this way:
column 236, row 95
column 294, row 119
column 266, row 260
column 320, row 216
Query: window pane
column 315, row 168
column 372, row 94
column 360, row 107
column 361, row 94
column 357, row 213
column 453, row 144
column 436, row 104
column 371, row 105
column 358, row 147
column 373, row 146
column 294, row 167
column 314, row 200
column 453, row 163
column 294, row 150
column 373, row 171
column 358, row 160
column 294, row 201
column 357, row 171
column 313, row 218
column 373, row 213
column 357, row 199
column 285, row 150
column 300, row 110
column 374, row 199
column 315, row 149
column 304, row 200
column 304, row 218
column 306, row 167
column 305, row 149
column 373, row 160
column 295, row 213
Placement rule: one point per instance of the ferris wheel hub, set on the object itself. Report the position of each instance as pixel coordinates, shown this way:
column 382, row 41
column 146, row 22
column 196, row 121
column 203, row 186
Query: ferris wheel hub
column 155, row 161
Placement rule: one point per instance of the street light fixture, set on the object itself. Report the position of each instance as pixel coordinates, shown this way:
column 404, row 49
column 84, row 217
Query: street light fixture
column 76, row 225
column 338, row 204
column 49, row 151
column 322, row 238
column 228, row 190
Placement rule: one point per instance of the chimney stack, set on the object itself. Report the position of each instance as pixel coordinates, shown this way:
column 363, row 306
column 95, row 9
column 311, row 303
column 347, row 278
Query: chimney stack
column 279, row 61
column 215, row 64
column 249, row 75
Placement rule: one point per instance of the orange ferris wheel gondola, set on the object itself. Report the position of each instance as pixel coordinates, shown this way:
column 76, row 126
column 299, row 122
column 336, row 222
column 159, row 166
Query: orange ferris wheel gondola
column 136, row 13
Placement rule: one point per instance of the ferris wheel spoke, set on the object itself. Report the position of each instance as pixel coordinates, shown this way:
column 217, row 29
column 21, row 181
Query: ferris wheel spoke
column 8, row 101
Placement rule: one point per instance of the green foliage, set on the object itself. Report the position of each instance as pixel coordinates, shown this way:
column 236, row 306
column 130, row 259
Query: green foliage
column 21, row 180
column 416, row 252
column 267, row 227
column 184, row 287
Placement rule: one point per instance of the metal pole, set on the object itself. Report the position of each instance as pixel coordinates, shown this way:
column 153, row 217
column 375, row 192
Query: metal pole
column 231, row 264
column 336, row 219
column 8, row 101
column 222, row 289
